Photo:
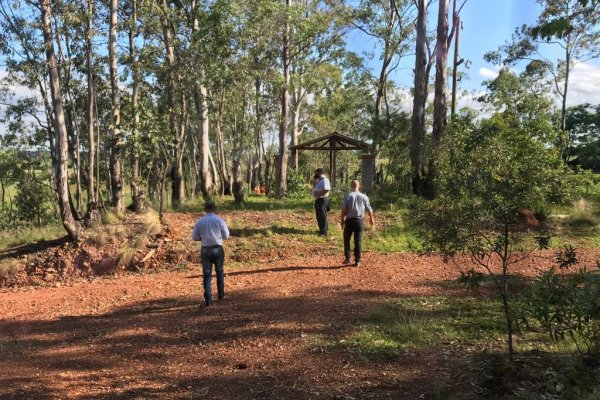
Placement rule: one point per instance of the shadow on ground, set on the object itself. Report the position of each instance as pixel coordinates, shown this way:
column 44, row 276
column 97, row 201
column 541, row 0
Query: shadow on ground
column 32, row 248
column 252, row 345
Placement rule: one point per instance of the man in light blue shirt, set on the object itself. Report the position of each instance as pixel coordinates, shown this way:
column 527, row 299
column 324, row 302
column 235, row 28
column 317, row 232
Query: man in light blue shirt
column 354, row 206
column 321, row 190
column 211, row 230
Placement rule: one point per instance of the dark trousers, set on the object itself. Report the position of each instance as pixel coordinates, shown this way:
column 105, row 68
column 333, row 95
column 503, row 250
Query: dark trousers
column 353, row 226
column 210, row 256
column 321, row 211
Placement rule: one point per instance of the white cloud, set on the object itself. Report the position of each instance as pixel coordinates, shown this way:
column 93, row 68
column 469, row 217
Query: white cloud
column 17, row 91
column 13, row 93
column 487, row 73
column 584, row 84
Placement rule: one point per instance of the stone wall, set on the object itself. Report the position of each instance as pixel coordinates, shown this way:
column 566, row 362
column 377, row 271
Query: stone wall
column 368, row 172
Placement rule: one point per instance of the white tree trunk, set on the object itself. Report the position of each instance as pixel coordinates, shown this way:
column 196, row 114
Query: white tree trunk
column 72, row 226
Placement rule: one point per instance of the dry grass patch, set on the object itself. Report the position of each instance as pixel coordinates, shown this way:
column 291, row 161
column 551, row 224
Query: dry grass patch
column 583, row 214
column 9, row 269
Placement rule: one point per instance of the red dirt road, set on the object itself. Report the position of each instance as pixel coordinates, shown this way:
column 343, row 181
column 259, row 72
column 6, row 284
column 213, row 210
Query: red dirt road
column 149, row 337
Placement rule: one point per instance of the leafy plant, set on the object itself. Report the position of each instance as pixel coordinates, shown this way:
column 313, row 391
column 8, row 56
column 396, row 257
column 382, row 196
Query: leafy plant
column 32, row 200
column 491, row 174
column 567, row 305
column 296, row 185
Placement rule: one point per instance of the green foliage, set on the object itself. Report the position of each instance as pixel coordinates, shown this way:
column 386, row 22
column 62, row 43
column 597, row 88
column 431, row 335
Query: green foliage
column 32, row 200
column 583, row 125
column 488, row 171
column 297, row 187
column 587, row 156
column 567, row 305
column 491, row 173
column 562, row 25
column 9, row 219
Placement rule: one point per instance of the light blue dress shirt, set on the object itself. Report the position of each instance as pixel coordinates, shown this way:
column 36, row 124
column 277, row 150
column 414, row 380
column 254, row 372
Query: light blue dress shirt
column 211, row 230
column 355, row 203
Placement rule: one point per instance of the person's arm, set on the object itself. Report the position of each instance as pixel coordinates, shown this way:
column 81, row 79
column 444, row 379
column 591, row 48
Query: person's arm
column 371, row 218
column 224, row 230
column 369, row 211
column 326, row 187
column 196, row 232
column 344, row 210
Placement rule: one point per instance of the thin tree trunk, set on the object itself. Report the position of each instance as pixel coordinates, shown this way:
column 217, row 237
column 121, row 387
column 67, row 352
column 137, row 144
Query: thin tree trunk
column 72, row 227
column 225, row 178
column 440, row 96
column 213, row 170
column 200, row 98
column 417, row 145
column 456, row 62
column 296, row 131
column 177, row 193
column 281, row 181
column 441, row 74
column 258, row 132
column 137, row 194
column 237, row 186
column 72, row 125
column 117, row 142
column 563, row 107
column 98, row 197
column 383, row 74
column 504, row 292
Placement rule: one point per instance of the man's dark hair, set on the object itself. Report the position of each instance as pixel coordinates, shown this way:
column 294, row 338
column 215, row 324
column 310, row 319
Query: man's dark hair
column 319, row 171
column 210, row 206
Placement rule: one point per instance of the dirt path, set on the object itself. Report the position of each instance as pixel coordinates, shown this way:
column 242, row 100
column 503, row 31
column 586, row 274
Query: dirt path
column 148, row 336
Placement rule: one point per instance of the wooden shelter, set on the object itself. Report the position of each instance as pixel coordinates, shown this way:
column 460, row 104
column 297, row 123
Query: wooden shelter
column 332, row 143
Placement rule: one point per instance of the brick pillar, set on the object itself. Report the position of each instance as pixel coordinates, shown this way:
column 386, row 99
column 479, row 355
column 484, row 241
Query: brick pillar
column 368, row 171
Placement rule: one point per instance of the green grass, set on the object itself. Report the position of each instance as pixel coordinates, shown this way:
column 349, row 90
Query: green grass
column 30, row 235
column 576, row 224
column 421, row 323
column 468, row 333
column 251, row 202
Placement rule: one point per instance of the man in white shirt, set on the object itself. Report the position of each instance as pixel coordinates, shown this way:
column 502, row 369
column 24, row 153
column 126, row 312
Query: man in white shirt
column 321, row 190
column 211, row 230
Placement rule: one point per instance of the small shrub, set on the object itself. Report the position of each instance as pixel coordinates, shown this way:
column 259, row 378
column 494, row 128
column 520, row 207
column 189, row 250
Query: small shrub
column 296, row 185
column 8, row 271
column 109, row 218
column 32, row 200
column 127, row 258
column 471, row 279
column 152, row 225
column 9, row 219
column 567, row 305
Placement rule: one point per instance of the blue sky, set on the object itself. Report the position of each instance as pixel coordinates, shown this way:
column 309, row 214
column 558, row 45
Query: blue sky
column 487, row 24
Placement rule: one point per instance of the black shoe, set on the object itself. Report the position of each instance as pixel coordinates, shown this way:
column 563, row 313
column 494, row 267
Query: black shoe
column 346, row 261
column 221, row 297
column 357, row 263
